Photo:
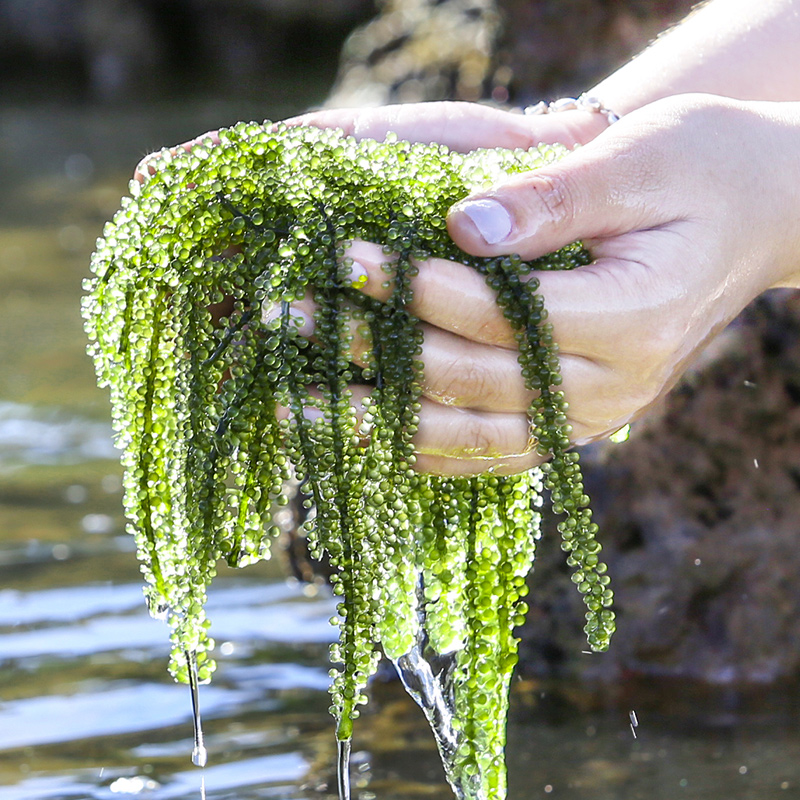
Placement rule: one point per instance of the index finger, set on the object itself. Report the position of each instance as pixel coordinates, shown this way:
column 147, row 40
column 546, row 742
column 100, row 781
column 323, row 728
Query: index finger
column 460, row 126
column 448, row 295
column 145, row 169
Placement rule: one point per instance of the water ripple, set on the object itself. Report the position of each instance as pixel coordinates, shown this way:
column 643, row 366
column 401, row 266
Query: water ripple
column 87, row 620
column 31, row 435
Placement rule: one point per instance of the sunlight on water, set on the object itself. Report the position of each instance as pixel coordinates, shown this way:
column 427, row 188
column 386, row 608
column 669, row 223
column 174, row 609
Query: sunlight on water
column 49, row 436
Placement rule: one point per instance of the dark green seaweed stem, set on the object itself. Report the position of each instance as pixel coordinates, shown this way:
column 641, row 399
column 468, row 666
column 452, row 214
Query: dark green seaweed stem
column 216, row 416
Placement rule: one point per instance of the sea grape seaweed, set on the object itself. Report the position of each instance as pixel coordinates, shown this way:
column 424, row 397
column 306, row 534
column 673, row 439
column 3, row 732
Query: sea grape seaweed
column 215, row 416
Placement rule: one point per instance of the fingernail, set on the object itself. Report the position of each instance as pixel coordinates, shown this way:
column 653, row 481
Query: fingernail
column 357, row 275
column 490, row 218
column 312, row 413
column 303, row 322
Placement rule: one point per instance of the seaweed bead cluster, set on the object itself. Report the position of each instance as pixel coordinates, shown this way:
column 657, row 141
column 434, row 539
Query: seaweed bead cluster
column 219, row 405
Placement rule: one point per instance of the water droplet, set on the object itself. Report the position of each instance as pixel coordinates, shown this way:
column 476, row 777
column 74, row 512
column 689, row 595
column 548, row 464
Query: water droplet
column 634, row 722
column 199, row 753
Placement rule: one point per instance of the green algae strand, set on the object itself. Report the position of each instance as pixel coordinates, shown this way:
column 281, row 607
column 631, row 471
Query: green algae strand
column 429, row 570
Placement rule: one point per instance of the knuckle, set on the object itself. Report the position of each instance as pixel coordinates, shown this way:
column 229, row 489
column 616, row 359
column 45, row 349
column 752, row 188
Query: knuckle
column 476, row 437
column 467, row 383
column 556, row 196
column 488, row 324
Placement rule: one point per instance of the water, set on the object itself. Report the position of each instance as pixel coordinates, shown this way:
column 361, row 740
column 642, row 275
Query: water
column 87, row 709
column 199, row 752
column 344, row 752
column 429, row 680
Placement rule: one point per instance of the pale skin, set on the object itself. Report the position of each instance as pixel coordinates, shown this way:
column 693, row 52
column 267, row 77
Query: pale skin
column 689, row 205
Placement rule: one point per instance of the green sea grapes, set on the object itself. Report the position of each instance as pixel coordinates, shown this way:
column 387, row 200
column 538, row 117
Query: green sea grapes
column 216, row 415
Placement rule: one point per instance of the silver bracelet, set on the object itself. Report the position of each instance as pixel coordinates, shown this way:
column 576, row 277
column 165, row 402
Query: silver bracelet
column 583, row 103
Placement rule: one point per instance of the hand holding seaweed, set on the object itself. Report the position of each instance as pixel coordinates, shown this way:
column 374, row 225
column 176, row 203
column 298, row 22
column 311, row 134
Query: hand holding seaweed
column 430, row 568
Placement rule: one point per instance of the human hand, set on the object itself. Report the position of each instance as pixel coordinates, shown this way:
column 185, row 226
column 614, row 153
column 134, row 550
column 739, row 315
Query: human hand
column 473, row 415
column 672, row 204
column 660, row 200
column 460, row 126
column 466, row 425
column 689, row 208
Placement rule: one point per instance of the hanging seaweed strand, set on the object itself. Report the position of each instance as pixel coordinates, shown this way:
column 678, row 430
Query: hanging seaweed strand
column 214, row 416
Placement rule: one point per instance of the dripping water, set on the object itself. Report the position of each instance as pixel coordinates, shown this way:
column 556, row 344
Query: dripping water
column 429, row 680
column 343, row 771
column 199, row 753
column 429, row 677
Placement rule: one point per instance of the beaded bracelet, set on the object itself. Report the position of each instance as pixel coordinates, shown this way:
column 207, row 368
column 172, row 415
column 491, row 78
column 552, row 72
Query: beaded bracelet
column 583, row 103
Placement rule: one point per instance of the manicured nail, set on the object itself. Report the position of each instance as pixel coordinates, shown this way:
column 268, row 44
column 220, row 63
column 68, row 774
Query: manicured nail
column 312, row 413
column 304, row 322
column 357, row 275
column 490, row 218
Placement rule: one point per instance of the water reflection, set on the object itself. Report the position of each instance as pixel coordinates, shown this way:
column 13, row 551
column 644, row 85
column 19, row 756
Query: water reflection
column 50, row 436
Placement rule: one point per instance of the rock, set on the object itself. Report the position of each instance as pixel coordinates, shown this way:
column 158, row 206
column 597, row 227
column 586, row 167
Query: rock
column 514, row 51
column 698, row 514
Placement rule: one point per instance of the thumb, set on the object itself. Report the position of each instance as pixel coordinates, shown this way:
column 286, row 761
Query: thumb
column 606, row 188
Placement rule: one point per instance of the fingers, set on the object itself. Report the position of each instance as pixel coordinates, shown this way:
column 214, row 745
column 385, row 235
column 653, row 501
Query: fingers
column 579, row 197
column 616, row 322
column 459, row 372
column 455, row 441
column 456, row 371
column 612, row 355
column 458, row 441
column 146, row 168
column 585, row 306
column 459, row 126
column 450, row 296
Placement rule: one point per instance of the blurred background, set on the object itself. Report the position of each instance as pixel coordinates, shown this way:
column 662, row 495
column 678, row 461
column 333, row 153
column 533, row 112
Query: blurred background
column 708, row 646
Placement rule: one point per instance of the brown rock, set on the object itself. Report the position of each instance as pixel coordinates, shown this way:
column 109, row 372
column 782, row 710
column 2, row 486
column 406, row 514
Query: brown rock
column 699, row 514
